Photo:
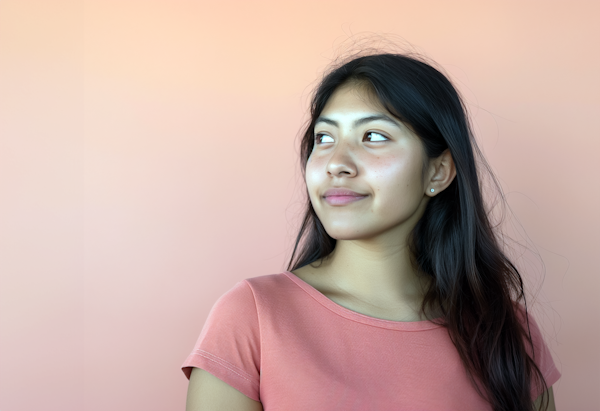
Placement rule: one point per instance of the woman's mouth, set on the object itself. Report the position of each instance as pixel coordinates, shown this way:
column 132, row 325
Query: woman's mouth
column 342, row 199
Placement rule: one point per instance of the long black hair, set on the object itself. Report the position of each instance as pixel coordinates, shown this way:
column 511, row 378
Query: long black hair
column 473, row 282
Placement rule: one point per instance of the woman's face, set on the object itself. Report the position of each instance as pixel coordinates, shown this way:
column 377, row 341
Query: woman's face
column 361, row 147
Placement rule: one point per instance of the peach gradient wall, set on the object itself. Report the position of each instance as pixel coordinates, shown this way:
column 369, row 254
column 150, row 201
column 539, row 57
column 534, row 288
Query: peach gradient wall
column 148, row 161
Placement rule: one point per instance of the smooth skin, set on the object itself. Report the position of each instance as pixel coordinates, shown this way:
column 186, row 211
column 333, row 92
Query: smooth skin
column 208, row 393
column 551, row 406
column 362, row 147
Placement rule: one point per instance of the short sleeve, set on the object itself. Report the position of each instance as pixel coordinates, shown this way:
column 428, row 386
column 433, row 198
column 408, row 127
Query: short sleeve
column 229, row 344
column 541, row 354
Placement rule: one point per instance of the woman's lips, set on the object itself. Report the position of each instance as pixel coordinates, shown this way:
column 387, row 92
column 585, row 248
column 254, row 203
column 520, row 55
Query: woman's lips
column 342, row 200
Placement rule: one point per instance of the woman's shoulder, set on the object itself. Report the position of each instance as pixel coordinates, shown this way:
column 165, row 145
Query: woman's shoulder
column 267, row 280
column 538, row 350
column 257, row 284
column 525, row 316
column 527, row 320
column 259, row 289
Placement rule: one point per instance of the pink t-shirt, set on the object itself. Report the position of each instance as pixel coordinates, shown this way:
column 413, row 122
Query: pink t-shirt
column 278, row 340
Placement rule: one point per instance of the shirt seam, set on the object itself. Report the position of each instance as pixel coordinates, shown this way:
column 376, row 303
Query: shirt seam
column 432, row 327
column 259, row 329
column 224, row 363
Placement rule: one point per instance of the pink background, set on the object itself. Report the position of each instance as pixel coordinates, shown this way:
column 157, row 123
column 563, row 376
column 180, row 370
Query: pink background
column 148, row 161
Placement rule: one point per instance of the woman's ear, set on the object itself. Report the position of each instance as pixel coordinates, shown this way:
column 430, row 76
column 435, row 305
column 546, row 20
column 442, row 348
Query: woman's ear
column 441, row 173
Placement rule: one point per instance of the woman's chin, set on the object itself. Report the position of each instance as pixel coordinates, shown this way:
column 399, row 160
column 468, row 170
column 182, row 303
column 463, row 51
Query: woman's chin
column 348, row 233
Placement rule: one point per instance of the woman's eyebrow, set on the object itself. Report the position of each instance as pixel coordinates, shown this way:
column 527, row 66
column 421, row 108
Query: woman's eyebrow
column 360, row 121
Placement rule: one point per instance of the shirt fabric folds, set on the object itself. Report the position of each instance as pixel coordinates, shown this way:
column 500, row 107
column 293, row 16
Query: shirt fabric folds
column 280, row 341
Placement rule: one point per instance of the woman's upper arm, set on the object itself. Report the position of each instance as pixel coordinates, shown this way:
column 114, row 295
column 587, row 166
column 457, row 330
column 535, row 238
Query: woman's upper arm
column 551, row 406
column 208, row 393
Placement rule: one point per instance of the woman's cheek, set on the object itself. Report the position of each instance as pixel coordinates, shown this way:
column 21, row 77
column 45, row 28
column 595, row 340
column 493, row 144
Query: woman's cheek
column 397, row 185
column 313, row 179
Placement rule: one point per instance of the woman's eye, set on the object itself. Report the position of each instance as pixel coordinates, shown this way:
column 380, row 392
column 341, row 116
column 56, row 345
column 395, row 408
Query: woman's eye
column 376, row 136
column 319, row 138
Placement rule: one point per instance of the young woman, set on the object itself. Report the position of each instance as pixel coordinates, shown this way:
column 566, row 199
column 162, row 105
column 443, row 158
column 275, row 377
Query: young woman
column 398, row 294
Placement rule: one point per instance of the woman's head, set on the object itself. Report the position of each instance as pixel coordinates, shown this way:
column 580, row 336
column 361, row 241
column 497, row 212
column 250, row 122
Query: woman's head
column 418, row 138
column 363, row 137
column 431, row 128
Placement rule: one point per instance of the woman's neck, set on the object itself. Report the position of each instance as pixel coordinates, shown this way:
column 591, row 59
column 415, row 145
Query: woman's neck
column 371, row 279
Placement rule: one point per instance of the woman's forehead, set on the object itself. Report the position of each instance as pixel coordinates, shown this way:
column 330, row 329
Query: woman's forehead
column 354, row 97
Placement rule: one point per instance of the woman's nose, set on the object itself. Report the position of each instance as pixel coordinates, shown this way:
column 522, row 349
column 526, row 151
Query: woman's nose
column 342, row 161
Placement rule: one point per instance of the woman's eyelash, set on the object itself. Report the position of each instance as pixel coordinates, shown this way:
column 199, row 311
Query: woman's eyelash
column 318, row 135
column 379, row 134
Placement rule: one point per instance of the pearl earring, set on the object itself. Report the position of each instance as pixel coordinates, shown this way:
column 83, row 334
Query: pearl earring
column 432, row 190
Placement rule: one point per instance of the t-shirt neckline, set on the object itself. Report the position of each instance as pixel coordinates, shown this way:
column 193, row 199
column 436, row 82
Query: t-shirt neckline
column 358, row 317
